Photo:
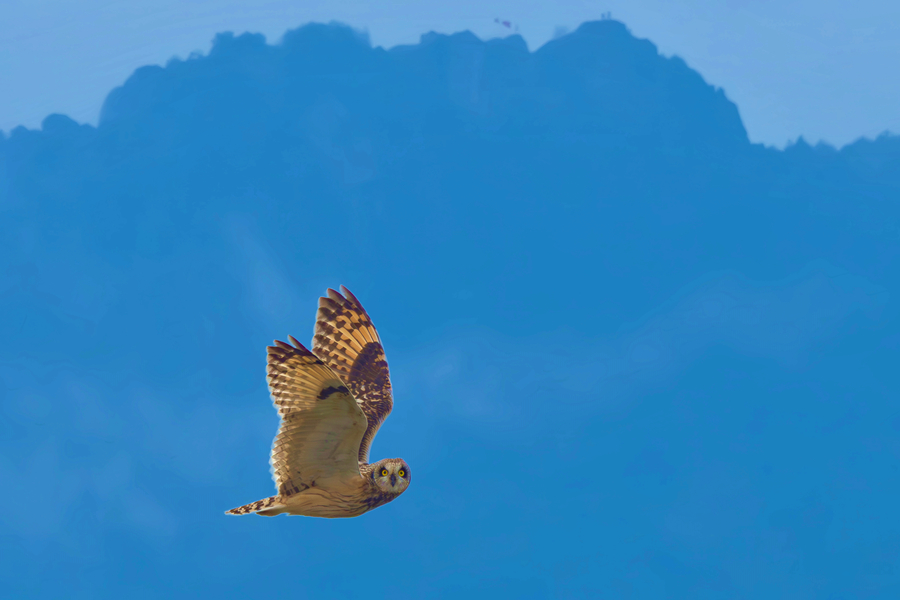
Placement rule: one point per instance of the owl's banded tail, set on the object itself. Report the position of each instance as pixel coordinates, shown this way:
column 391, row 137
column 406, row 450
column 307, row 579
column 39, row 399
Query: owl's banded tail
column 268, row 507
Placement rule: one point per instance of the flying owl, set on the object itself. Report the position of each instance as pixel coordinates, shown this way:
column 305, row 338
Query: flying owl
column 331, row 402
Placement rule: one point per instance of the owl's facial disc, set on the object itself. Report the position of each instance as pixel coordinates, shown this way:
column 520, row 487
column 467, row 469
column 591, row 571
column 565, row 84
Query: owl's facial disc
column 391, row 475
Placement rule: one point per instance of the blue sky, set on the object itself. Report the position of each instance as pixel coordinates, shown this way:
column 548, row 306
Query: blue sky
column 820, row 69
column 633, row 354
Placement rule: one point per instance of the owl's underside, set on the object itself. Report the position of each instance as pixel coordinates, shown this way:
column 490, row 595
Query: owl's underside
column 331, row 402
column 330, row 499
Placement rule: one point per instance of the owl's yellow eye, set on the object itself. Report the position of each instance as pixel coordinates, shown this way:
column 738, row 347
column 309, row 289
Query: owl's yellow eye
column 402, row 473
column 384, row 472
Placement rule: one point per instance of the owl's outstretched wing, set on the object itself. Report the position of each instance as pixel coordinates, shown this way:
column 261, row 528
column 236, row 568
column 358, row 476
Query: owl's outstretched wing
column 321, row 424
column 346, row 340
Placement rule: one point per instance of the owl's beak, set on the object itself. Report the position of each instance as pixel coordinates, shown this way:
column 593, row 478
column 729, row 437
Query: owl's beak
column 393, row 479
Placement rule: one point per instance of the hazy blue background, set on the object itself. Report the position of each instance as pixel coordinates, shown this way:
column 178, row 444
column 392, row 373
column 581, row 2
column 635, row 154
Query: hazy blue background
column 634, row 355
column 823, row 69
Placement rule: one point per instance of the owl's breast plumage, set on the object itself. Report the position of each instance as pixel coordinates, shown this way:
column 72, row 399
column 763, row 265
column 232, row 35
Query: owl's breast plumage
column 336, row 498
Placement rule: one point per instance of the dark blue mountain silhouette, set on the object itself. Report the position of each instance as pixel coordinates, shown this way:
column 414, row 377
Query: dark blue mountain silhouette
column 632, row 350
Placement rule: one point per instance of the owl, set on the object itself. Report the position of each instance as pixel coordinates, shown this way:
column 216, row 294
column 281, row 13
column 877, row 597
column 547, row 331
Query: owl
column 331, row 402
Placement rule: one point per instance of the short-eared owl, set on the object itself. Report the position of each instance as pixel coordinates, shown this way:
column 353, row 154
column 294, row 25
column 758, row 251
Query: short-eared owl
column 331, row 402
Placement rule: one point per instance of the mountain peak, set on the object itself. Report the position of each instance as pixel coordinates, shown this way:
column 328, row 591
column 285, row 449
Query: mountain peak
column 325, row 34
column 602, row 27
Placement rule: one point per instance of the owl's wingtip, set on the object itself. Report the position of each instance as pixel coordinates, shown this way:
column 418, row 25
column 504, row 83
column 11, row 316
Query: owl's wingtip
column 296, row 344
column 349, row 296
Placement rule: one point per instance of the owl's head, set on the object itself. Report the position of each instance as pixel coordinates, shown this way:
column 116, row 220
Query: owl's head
column 391, row 475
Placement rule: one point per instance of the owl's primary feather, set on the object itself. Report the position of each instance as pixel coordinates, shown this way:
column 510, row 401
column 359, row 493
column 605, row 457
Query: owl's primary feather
column 331, row 402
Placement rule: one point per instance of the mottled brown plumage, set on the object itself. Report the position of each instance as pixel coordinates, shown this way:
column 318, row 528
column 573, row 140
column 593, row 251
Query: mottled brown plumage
column 331, row 402
column 346, row 340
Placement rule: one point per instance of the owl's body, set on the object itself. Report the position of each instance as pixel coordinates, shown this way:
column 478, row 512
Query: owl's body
column 331, row 402
column 329, row 498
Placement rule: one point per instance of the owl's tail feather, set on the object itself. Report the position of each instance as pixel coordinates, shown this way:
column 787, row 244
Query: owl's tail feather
column 269, row 507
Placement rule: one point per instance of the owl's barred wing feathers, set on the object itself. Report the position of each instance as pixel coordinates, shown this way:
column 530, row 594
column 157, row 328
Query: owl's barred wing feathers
column 321, row 424
column 346, row 341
